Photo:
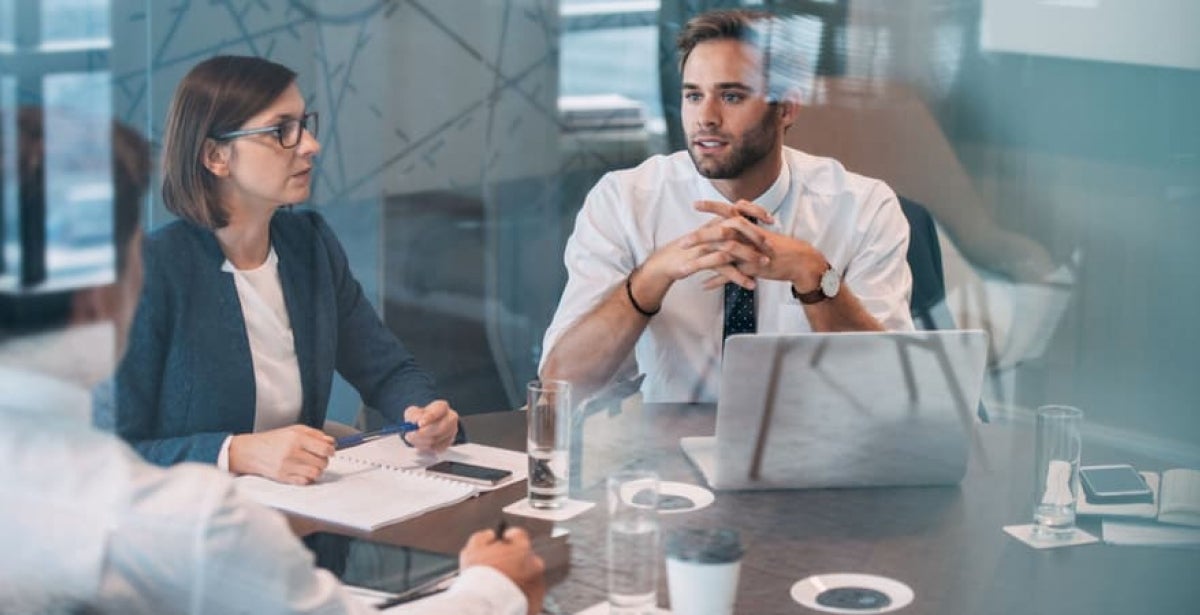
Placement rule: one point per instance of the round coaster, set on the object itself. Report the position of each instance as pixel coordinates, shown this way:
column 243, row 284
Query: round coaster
column 852, row 593
column 682, row 497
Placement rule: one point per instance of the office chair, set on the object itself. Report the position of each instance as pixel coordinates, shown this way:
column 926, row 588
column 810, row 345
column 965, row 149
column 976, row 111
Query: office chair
column 925, row 262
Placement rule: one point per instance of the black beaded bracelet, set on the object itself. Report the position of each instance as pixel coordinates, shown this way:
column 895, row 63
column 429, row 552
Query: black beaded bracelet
column 629, row 293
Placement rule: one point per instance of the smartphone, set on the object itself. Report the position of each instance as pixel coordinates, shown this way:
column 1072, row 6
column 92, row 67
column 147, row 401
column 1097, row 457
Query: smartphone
column 470, row 473
column 1114, row 484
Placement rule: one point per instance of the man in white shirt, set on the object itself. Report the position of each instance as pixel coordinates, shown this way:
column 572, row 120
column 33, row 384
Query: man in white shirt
column 815, row 247
column 91, row 528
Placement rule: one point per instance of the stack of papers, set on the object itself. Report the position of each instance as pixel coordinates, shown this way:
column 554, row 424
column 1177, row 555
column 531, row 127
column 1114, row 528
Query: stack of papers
column 1166, row 521
column 1149, row 533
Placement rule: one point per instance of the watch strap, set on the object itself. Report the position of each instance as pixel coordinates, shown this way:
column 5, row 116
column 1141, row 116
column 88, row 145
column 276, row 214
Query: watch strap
column 813, row 296
column 810, row 297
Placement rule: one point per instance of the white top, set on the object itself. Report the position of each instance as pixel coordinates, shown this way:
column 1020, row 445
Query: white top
column 95, row 525
column 278, row 395
column 855, row 221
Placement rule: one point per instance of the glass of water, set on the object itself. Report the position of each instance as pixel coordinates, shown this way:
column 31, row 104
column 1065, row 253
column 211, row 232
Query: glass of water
column 549, row 435
column 1056, row 471
column 633, row 542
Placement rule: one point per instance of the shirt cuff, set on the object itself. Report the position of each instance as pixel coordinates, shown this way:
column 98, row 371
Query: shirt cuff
column 223, row 456
column 489, row 586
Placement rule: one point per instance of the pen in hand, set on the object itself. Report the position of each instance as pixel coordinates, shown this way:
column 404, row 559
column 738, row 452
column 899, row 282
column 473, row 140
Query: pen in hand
column 501, row 528
column 367, row 436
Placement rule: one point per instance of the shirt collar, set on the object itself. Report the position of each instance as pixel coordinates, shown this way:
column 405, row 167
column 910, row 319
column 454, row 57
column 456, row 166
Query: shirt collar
column 272, row 262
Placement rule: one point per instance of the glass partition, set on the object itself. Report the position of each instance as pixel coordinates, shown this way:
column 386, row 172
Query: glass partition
column 1054, row 144
column 1049, row 149
column 1051, row 144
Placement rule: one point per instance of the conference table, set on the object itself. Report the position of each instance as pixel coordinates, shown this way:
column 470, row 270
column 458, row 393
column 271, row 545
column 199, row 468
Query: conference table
column 946, row 543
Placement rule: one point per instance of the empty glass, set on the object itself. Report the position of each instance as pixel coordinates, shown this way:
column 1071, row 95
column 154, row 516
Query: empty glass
column 633, row 542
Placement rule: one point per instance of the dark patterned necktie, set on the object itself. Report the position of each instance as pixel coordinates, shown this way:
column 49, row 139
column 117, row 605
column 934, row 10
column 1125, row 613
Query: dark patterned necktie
column 739, row 306
column 739, row 310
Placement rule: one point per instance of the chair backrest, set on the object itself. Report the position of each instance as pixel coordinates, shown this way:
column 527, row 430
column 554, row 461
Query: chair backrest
column 925, row 261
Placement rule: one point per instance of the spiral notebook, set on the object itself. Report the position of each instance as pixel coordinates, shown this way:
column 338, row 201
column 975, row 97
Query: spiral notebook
column 358, row 493
column 393, row 452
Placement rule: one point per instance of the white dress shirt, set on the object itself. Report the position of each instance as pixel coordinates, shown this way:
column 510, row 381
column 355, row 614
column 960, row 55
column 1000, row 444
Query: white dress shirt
column 855, row 221
column 278, row 394
column 88, row 523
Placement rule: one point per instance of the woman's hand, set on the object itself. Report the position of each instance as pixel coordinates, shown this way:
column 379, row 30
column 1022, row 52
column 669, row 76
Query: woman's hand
column 295, row 454
column 438, row 424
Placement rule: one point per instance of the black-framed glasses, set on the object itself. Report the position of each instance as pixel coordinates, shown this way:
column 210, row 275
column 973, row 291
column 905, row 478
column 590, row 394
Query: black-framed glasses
column 287, row 132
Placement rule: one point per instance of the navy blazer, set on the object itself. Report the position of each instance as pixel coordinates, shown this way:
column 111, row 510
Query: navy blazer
column 187, row 379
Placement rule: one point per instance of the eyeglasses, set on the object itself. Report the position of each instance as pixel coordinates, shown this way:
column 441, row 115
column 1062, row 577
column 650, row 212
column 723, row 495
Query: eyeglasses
column 287, row 132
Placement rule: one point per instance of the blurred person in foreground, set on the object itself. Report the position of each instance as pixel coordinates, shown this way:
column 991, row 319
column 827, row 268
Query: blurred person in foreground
column 92, row 528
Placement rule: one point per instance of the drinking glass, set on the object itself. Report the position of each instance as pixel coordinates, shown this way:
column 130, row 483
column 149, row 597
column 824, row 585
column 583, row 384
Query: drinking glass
column 633, row 542
column 548, row 438
column 1056, row 471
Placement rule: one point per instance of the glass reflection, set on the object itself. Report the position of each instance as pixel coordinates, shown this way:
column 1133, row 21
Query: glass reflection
column 378, row 566
column 1035, row 150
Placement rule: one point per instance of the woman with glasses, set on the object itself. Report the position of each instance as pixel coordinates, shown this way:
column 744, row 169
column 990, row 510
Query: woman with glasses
column 248, row 306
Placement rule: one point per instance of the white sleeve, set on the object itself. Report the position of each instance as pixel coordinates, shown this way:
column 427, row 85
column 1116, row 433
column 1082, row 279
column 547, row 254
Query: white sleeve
column 223, row 456
column 479, row 590
column 188, row 543
column 598, row 256
column 250, row 562
column 878, row 274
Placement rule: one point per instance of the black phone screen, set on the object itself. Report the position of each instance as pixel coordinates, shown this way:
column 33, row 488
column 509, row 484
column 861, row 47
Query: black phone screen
column 469, row 471
column 1114, row 482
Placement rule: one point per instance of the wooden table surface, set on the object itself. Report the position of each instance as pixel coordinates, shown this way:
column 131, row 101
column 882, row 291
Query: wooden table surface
column 946, row 543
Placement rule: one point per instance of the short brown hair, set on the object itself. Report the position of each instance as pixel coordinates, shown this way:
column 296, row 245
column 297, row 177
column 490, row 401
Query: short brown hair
column 218, row 95
column 775, row 37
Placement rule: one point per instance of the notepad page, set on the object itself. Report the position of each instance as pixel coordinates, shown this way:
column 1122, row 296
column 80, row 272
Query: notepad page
column 393, row 453
column 1180, row 497
column 1148, row 534
column 358, row 495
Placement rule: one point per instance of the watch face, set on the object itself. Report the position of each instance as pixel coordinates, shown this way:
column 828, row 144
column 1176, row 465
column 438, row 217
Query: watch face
column 831, row 282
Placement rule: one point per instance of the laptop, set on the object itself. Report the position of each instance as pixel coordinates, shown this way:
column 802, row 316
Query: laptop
column 860, row 409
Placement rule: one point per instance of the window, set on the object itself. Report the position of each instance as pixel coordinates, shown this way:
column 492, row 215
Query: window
column 74, row 24
column 54, row 57
column 6, row 25
column 610, row 47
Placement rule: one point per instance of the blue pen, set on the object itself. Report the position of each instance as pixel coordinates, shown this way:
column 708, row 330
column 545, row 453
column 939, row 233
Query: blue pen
column 367, row 436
